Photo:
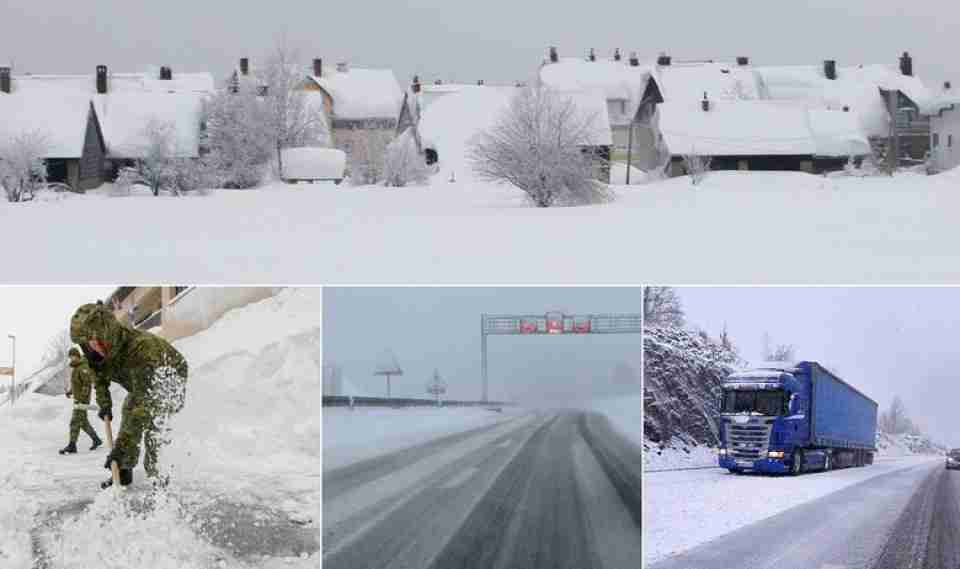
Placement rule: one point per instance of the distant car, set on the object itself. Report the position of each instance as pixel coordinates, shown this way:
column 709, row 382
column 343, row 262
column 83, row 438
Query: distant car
column 313, row 164
column 953, row 459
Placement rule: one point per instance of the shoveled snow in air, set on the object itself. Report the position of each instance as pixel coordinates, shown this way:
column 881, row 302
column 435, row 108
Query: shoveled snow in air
column 245, row 461
column 683, row 509
column 365, row 432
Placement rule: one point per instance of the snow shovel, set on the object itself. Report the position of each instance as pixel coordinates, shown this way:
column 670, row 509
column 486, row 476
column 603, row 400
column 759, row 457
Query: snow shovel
column 114, row 468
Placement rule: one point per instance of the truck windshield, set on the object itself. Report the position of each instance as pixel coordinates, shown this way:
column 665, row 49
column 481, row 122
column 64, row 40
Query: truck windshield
column 766, row 402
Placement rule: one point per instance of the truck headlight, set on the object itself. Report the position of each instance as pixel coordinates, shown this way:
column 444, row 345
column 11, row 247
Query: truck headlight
column 722, row 452
column 775, row 454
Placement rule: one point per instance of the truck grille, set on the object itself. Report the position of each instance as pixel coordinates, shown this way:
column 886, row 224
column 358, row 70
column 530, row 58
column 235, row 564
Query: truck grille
column 750, row 441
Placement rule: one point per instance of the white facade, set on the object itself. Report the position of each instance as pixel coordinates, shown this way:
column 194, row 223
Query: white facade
column 945, row 139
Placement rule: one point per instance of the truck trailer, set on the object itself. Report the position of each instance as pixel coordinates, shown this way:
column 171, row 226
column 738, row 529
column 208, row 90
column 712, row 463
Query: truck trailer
column 793, row 418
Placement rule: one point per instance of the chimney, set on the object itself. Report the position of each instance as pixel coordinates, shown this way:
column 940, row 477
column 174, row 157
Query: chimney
column 592, row 56
column 663, row 60
column 480, row 82
column 741, row 61
column 317, row 67
column 416, row 83
column 166, row 74
column 553, row 55
column 616, row 54
column 343, row 67
column 102, row 79
column 634, row 59
column 705, row 103
column 244, row 66
column 846, row 108
column 946, row 84
column 438, row 82
column 830, row 69
column 906, row 64
column 5, row 80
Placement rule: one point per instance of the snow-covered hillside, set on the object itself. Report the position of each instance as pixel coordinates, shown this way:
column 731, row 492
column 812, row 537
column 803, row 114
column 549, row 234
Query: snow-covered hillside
column 244, row 462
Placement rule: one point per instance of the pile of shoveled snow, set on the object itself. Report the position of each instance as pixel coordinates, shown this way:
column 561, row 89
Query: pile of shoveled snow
column 249, row 434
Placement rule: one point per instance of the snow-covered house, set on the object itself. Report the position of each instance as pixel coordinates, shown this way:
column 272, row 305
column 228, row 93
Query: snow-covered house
column 96, row 122
column 943, row 110
column 358, row 102
column 68, row 129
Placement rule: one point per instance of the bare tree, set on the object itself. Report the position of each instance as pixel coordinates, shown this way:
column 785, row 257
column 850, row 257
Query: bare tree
column 162, row 165
column 403, row 163
column 23, row 171
column 697, row 166
column 778, row 352
column 894, row 420
column 661, row 307
column 292, row 118
column 237, row 137
column 538, row 145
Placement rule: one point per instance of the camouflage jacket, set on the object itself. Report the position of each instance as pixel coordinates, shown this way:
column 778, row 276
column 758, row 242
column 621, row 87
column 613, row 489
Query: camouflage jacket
column 82, row 379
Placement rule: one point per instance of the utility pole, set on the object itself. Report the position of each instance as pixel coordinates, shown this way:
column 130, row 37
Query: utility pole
column 629, row 150
column 893, row 145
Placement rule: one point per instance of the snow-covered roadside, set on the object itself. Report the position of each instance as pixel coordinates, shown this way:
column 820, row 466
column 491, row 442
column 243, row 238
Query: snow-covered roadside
column 687, row 508
column 366, row 432
column 677, row 456
column 625, row 413
column 732, row 228
column 249, row 434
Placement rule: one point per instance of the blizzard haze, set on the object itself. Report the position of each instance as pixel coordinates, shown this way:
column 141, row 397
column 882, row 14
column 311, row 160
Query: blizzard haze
column 498, row 40
column 429, row 328
column 884, row 341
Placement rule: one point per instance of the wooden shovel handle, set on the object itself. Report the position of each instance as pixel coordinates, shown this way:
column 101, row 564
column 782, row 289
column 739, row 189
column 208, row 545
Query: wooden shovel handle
column 114, row 468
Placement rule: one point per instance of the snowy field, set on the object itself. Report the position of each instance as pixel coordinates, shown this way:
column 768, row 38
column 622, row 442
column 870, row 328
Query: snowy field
column 366, row 432
column 735, row 227
column 707, row 504
column 249, row 435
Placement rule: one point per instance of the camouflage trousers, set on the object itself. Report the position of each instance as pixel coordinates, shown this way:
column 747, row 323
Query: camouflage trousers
column 78, row 422
column 147, row 416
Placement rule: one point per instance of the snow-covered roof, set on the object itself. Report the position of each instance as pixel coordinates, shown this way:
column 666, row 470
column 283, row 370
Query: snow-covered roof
column 617, row 80
column 125, row 118
column 741, row 128
column 145, row 81
column 720, row 81
column 360, row 94
column 60, row 118
column 940, row 100
column 592, row 106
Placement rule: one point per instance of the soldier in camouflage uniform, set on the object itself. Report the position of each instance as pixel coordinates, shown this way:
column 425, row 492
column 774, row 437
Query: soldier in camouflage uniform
column 152, row 371
column 81, row 383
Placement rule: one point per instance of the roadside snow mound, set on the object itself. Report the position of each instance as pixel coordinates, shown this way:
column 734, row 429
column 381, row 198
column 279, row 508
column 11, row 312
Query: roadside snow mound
column 905, row 445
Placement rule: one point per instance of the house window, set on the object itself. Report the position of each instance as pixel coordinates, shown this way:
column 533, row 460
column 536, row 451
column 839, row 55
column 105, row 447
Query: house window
column 949, row 141
column 936, row 140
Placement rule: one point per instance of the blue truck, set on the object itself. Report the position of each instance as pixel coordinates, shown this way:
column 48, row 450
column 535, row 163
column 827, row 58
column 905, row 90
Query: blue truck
column 794, row 418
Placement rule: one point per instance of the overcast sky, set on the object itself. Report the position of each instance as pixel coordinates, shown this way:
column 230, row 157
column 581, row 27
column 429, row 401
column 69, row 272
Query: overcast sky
column 429, row 328
column 885, row 341
column 495, row 40
column 34, row 315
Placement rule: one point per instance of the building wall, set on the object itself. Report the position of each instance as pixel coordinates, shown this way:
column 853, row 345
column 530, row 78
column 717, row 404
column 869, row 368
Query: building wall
column 945, row 139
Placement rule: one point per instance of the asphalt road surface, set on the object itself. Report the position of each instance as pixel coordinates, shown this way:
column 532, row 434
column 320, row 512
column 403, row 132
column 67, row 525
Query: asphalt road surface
column 551, row 489
column 906, row 519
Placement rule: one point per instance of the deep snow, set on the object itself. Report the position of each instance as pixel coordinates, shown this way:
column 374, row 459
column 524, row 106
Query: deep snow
column 249, row 434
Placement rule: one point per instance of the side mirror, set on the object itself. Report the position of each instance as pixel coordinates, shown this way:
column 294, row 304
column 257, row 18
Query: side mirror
column 793, row 406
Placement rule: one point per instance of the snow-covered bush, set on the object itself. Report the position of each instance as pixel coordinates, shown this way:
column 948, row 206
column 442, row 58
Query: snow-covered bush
column 697, row 166
column 23, row 171
column 237, row 139
column 160, row 168
column 366, row 150
column 537, row 145
column 403, row 163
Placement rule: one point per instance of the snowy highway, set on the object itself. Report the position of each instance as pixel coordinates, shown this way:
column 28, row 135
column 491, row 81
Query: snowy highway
column 543, row 489
column 897, row 513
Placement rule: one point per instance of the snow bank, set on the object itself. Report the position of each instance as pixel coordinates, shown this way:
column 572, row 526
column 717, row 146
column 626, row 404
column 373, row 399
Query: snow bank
column 366, row 432
column 313, row 163
column 678, row 454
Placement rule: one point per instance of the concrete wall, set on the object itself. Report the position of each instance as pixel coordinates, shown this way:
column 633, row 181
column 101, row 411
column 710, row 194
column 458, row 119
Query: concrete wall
column 946, row 154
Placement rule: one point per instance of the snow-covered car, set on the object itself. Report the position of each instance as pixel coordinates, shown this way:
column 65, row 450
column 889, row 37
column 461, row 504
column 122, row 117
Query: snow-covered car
column 313, row 164
column 953, row 459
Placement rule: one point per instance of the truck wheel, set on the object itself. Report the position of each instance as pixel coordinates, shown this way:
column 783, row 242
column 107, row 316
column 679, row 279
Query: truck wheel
column 797, row 466
column 735, row 471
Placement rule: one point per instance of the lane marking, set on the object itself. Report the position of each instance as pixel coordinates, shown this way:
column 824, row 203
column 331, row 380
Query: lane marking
column 460, row 478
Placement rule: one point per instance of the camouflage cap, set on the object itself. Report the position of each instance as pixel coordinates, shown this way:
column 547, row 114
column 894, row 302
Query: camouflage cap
column 73, row 352
column 93, row 321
